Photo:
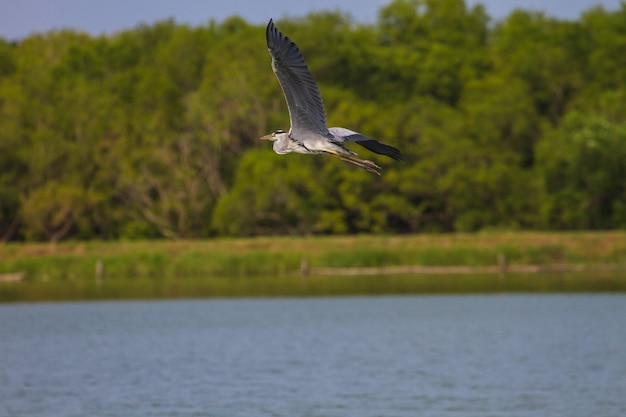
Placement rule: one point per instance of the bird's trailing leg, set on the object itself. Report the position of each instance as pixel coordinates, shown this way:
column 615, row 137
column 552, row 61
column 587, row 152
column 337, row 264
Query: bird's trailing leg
column 352, row 159
column 361, row 163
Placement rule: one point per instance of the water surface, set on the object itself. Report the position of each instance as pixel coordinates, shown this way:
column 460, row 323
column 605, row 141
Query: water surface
column 501, row 355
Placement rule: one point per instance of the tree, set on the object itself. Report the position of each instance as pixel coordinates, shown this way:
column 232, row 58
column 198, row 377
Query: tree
column 272, row 194
column 583, row 163
column 546, row 54
column 444, row 43
column 500, row 114
column 605, row 34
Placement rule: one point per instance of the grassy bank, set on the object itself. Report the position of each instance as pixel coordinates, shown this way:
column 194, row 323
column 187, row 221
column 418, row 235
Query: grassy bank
column 270, row 266
column 280, row 256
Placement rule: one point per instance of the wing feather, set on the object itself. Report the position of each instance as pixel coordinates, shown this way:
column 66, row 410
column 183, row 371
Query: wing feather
column 304, row 101
column 346, row 135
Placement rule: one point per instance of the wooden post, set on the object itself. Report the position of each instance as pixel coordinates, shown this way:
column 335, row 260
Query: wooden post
column 304, row 267
column 99, row 271
column 502, row 264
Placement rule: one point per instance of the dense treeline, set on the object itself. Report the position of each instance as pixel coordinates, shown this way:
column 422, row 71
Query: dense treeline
column 517, row 124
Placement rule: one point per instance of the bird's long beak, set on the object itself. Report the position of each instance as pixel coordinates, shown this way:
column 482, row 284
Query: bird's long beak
column 266, row 137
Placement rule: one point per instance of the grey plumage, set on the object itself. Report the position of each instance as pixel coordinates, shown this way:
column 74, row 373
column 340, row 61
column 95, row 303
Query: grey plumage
column 309, row 133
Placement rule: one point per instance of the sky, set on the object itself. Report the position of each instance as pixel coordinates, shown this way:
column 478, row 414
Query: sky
column 21, row 18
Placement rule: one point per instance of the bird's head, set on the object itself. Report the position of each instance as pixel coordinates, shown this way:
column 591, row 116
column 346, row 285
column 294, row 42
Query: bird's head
column 274, row 136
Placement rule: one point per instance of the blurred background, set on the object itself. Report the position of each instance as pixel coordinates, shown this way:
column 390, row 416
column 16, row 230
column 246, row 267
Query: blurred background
column 22, row 18
column 120, row 120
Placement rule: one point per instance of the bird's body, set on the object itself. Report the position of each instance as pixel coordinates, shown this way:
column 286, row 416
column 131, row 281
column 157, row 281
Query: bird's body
column 309, row 133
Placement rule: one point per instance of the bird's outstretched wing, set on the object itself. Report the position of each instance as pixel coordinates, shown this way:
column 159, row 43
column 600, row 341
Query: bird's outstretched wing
column 306, row 109
column 347, row 135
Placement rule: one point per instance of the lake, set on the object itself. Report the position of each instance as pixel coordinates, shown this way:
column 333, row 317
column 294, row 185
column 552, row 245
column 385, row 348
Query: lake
column 489, row 355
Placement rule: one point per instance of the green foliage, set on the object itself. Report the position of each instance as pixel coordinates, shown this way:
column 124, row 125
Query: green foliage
column 584, row 167
column 153, row 131
column 548, row 55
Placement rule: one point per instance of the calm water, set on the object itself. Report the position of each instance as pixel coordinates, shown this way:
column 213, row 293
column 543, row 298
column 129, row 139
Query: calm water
column 503, row 355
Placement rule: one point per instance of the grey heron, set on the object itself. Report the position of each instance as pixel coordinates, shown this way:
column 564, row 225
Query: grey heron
column 309, row 133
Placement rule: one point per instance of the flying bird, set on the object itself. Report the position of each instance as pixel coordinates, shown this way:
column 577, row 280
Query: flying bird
column 309, row 133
